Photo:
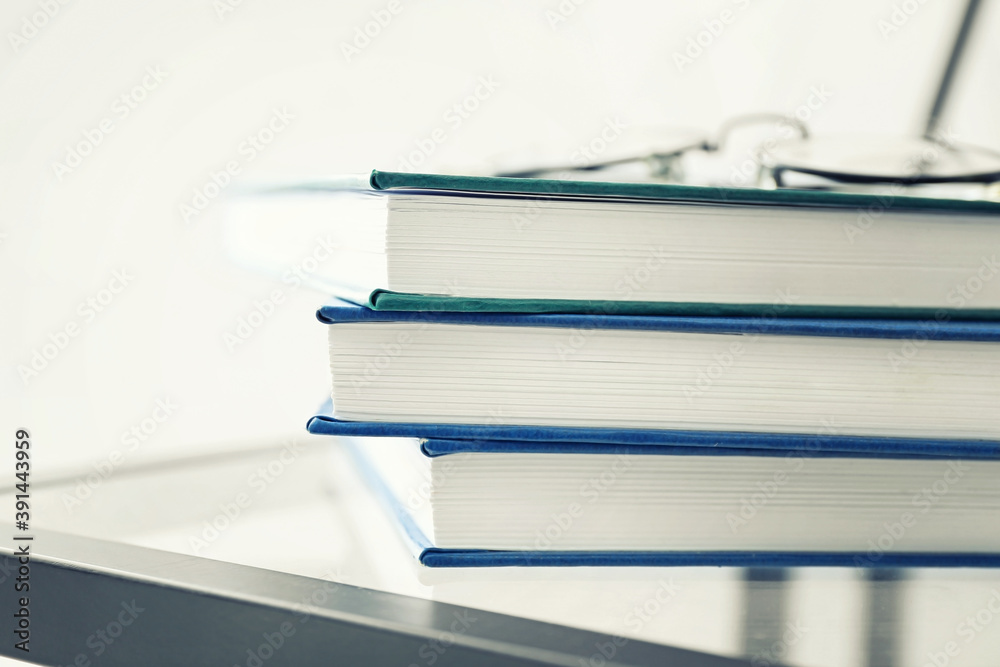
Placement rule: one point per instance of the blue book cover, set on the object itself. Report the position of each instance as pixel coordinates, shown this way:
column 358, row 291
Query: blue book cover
column 342, row 312
column 430, row 555
column 445, row 438
column 823, row 440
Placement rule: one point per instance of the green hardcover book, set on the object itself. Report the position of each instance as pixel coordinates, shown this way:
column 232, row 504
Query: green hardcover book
column 486, row 244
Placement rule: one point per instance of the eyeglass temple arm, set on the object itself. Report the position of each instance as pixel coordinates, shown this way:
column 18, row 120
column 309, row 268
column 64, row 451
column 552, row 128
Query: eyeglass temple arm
column 950, row 69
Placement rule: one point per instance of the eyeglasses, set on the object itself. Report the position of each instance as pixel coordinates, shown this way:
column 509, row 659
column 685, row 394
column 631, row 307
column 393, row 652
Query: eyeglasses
column 802, row 160
column 878, row 163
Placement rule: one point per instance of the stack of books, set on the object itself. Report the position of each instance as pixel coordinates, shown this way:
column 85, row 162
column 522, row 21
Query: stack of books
column 579, row 373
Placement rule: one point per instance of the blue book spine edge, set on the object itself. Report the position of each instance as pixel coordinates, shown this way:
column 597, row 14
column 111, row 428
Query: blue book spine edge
column 415, row 539
column 649, row 441
column 435, row 557
column 931, row 329
column 779, row 559
column 434, row 447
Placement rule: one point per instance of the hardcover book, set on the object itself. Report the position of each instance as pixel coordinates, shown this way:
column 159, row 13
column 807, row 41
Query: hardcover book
column 532, row 245
column 461, row 504
column 489, row 244
column 847, row 385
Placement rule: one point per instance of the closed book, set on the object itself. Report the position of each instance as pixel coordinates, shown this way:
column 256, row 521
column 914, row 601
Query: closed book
column 490, row 244
column 842, row 385
column 536, row 245
column 494, row 504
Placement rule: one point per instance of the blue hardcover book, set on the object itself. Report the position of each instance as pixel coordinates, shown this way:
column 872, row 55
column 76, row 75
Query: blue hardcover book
column 484, row 504
column 920, row 387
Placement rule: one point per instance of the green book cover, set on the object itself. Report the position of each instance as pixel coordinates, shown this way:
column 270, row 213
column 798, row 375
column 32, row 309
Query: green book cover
column 537, row 187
